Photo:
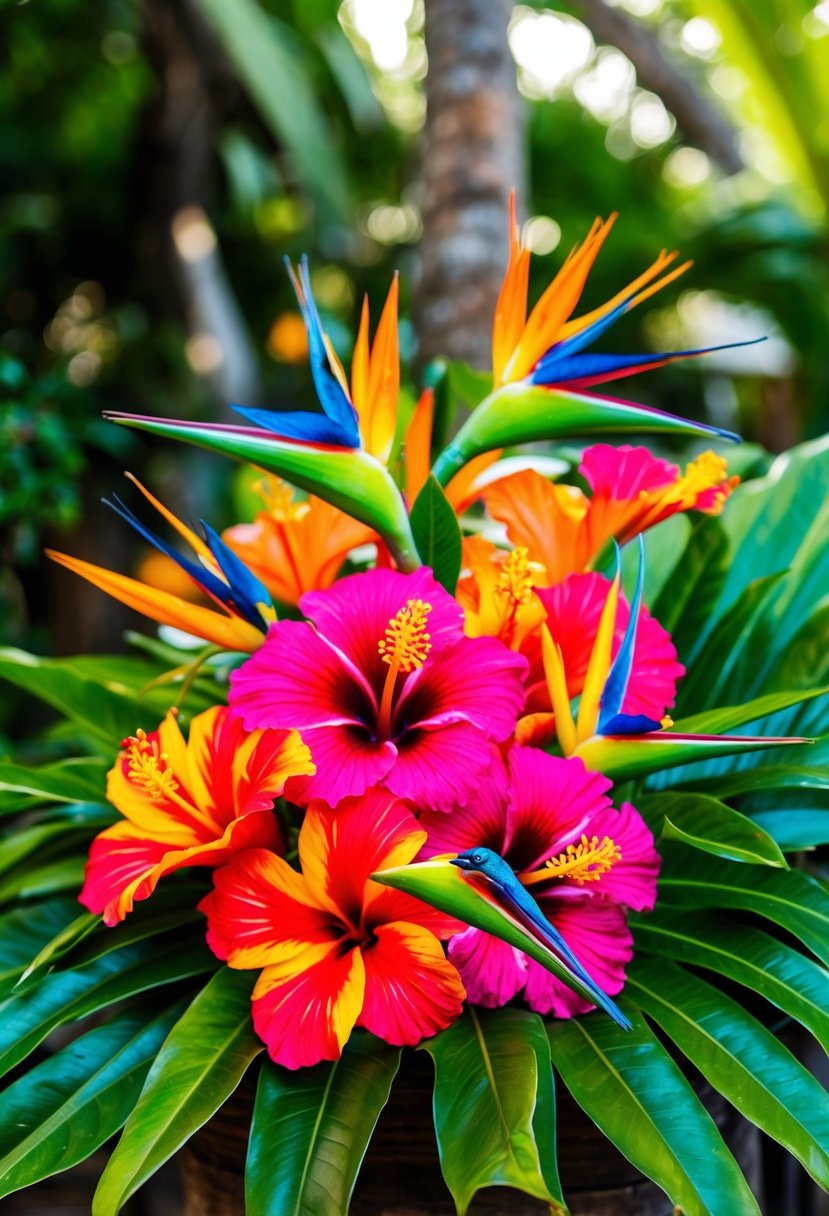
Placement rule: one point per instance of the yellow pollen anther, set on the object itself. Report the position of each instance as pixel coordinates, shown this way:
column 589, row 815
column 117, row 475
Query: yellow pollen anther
column 148, row 767
column 514, row 578
column 585, row 861
column 407, row 643
column 667, row 722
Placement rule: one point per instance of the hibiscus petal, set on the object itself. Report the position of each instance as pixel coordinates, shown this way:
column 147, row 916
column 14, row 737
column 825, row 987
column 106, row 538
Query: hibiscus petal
column 482, row 821
column 624, row 472
column 597, row 933
column 310, row 1017
column 440, row 769
column 261, row 912
column 340, row 846
column 348, row 761
column 477, row 680
column 297, row 680
column 631, row 880
column 353, row 614
column 492, row 971
column 412, row 991
column 550, row 801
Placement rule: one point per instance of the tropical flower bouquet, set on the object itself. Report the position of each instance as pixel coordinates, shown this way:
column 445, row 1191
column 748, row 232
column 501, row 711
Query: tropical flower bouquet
column 411, row 780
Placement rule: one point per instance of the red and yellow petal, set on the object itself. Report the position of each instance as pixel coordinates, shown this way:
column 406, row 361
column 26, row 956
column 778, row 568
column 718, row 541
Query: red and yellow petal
column 261, row 912
column 309, row 1018
column 411, row 990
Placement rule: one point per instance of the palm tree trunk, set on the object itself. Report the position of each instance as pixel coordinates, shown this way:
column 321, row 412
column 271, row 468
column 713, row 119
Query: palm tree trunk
column 472, row 155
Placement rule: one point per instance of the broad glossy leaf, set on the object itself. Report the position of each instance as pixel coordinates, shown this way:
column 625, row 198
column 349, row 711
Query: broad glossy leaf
column 689, row 595
column 741, row 1059
column 794, row 830
column 200, row 1063
column 729, row 717
column 65, row 874
column 708, row 677
column 785, row 977
column 321, row 1119
column 26, row 931
column 105, row 715
column 788, row 898
column 492, row 1067
column 805, row 661
column 709, row 825
column 81, row 780
column 27, row 1016
column 768, row 777
column 437, row 534
column 26, row 847
column 631, row 1089
column 443, row 886
column 62, row 1110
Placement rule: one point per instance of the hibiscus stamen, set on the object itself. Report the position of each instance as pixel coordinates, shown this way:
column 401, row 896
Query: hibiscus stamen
column 148, row 768
column 515, row 584
column 584, row 862
column 405, row 646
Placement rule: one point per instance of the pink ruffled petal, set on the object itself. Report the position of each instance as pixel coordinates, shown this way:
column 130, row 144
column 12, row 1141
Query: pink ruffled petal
column 492, row 971
column 412, row 991
column 296, row 679
column 623, row 472
column 550, row 801
column 348, row 761
column 655, row 671
column 631, row 880
column 353, row 614
column 309, row 1018
column 439, row 769
column 597, row 933
column 483, row 821
column 477, row 680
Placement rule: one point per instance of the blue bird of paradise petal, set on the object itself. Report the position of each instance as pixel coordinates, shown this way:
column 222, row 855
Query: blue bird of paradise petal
column 561, row 365
column 337, row 425
column 237, row 593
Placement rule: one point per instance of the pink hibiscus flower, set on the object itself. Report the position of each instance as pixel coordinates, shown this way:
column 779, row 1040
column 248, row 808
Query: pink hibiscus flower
column 582, row 860
column 384, row 688
column 574, row 609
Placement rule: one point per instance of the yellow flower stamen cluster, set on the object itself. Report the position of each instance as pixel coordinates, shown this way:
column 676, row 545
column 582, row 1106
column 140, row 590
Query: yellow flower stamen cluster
column 279, row 500
column 514, row 578
column 585, row 861
column 148, row 768
column 406, row 643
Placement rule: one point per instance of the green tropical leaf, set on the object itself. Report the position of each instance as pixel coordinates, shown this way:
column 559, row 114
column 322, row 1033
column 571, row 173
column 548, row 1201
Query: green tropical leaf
column 62, row 1110
column 785, row 977
column 769, row 777
column 322, row 1119
column 710, row 825
column 741, row 1059
column 709, row 675
column 106, row 716
column 790, row 899
column 437, row 534
column 729, row 717
column 65, row 874
column 492, row 1068
column 795, row 830
column 25, row 931
column 689, row 595
column 632, row 1090
column 80, row 780
column 200, row 1063
column 27, row 1016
